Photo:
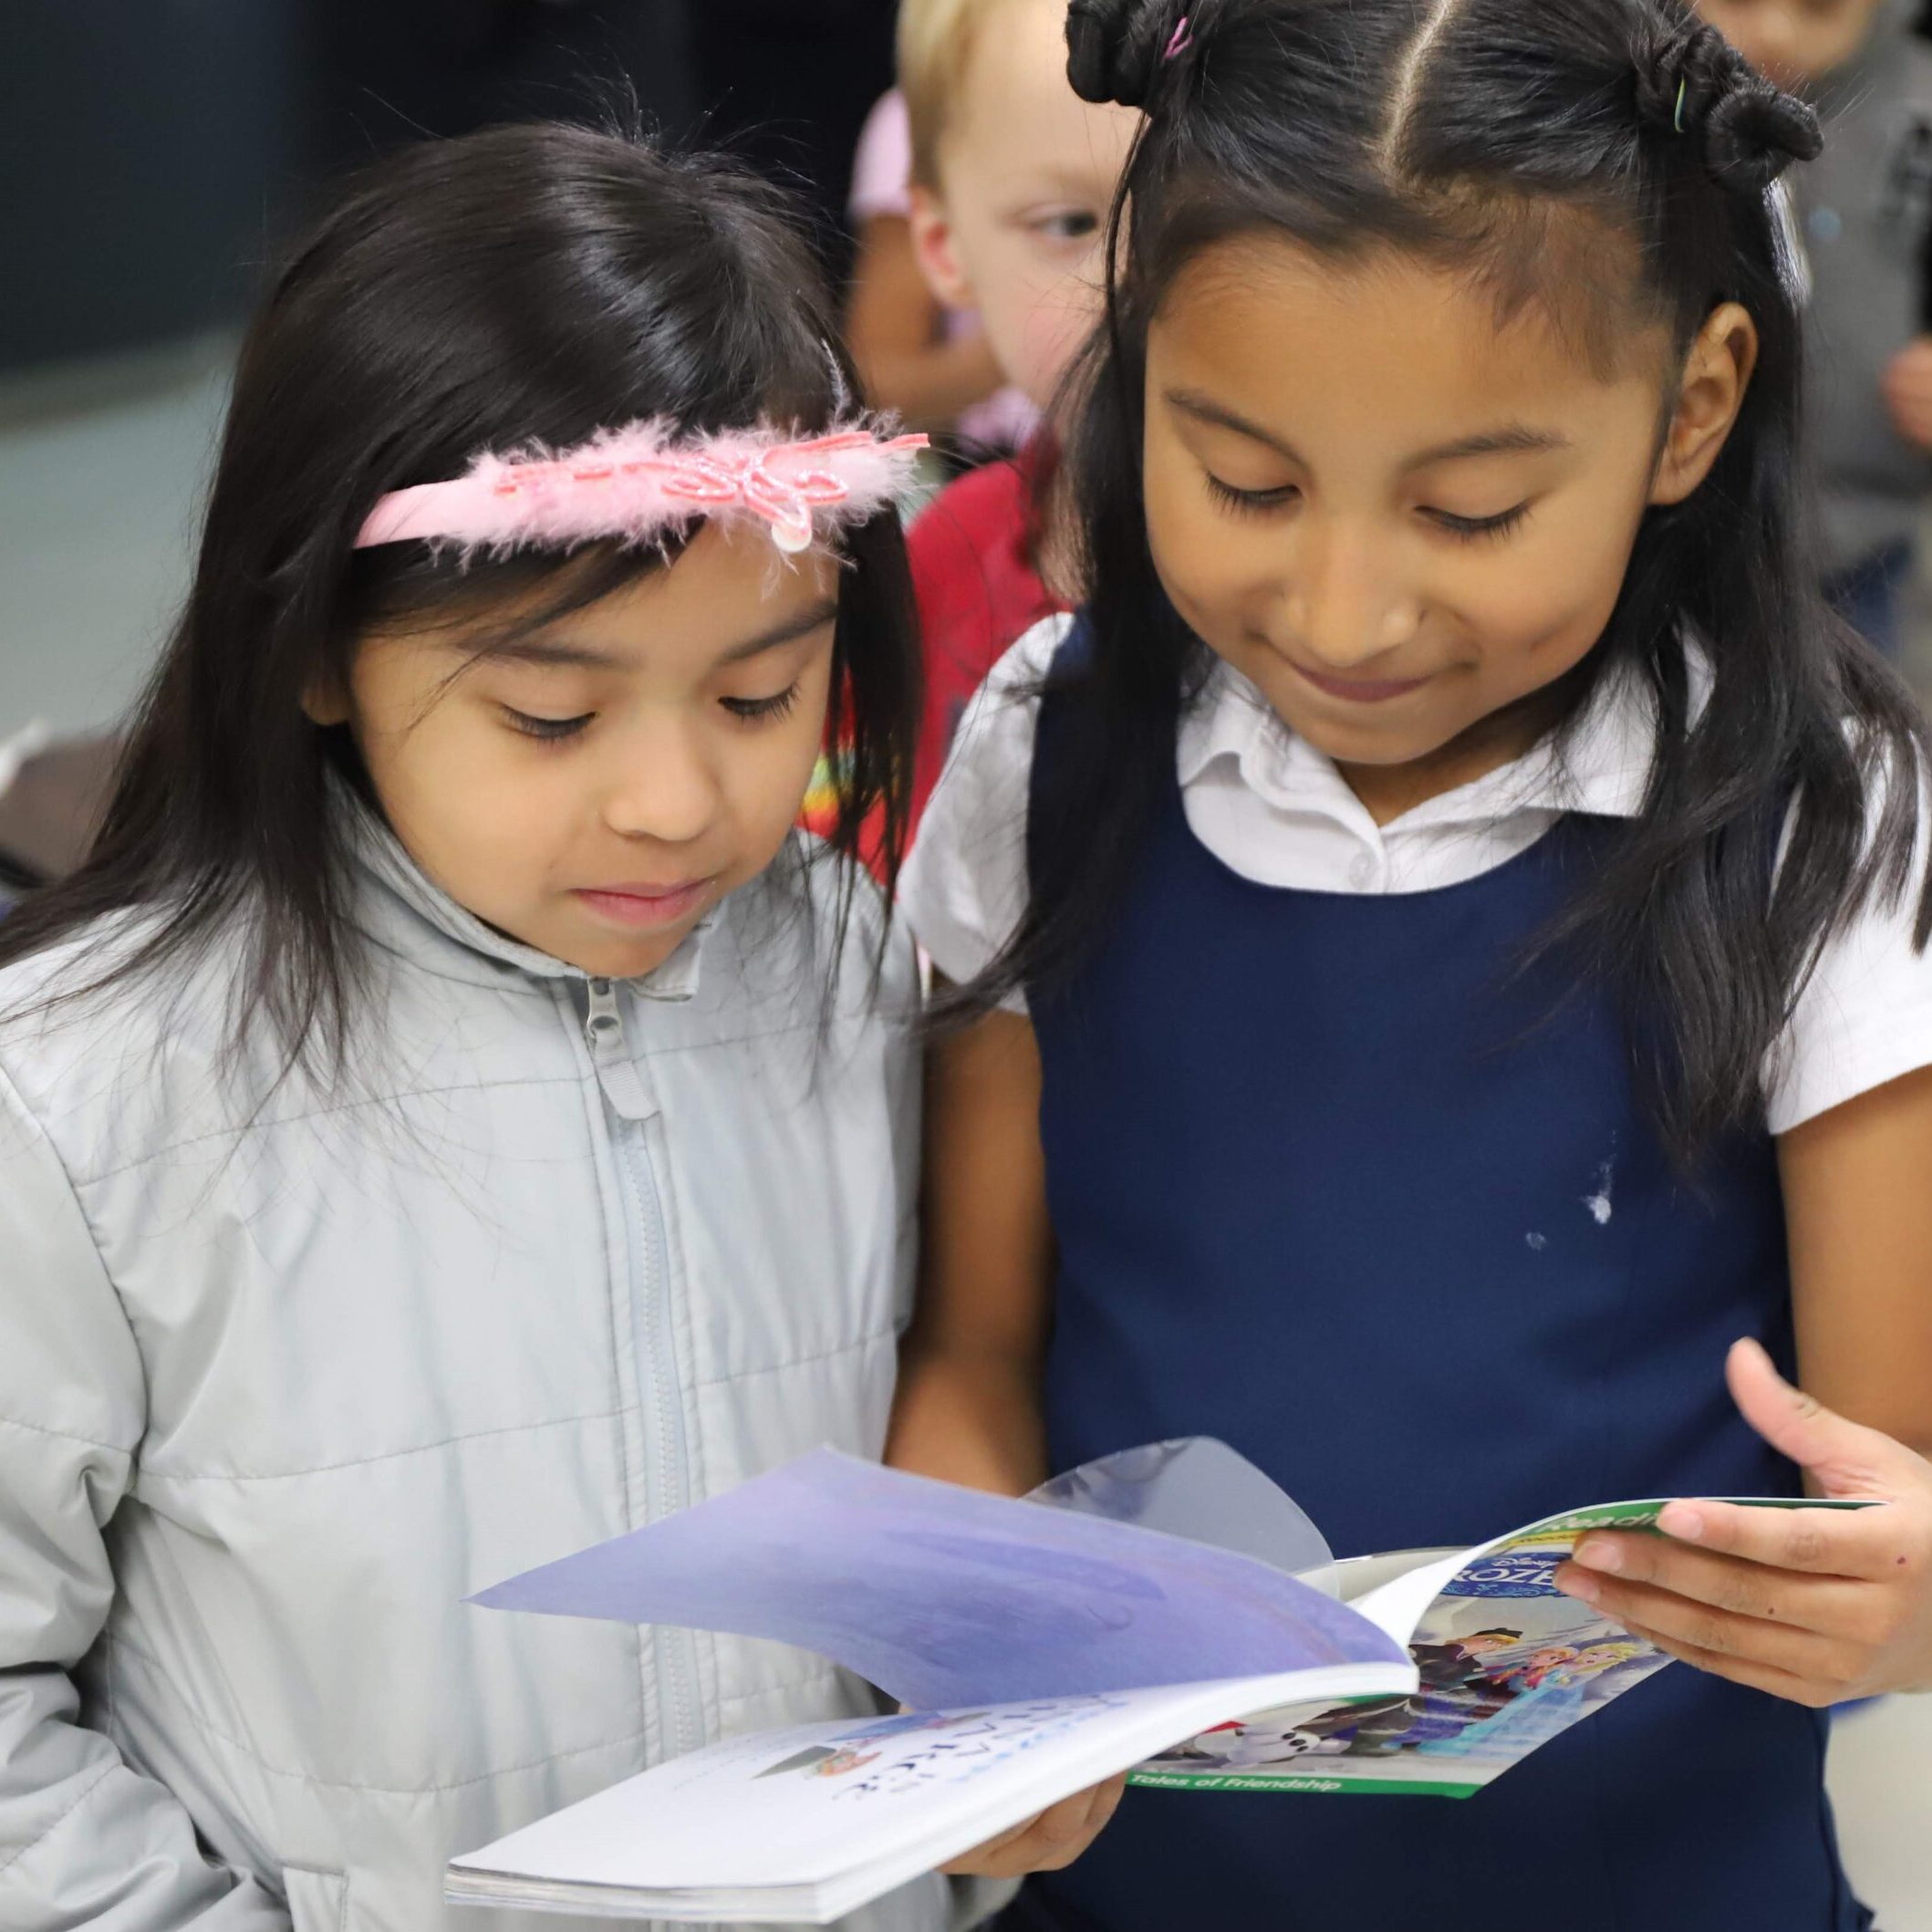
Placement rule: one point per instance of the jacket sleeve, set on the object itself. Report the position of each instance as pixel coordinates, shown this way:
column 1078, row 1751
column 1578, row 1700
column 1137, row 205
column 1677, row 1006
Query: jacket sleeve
column 84, row 1840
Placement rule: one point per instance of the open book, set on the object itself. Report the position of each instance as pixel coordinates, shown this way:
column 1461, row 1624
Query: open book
column 1038, row 1651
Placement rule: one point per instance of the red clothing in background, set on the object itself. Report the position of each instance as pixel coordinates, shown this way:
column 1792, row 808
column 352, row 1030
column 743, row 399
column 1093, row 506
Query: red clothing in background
column 972, row 571
column 978, row 593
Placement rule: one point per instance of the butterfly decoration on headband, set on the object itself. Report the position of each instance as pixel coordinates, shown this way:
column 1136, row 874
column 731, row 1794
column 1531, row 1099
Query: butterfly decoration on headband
column 637, row 484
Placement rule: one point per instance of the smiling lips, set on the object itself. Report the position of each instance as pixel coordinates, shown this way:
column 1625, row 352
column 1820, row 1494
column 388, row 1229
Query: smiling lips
column 1359, row 690
column 642, row 907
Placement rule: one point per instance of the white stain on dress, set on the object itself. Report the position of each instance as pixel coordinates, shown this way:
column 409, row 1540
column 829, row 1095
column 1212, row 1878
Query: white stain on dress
column 1538, row 1241
column 1599, row 1203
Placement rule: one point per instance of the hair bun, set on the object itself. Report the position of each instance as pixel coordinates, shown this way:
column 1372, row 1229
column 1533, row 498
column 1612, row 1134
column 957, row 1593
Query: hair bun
column 1115, row 49
column 1693, row 82
column 1754, row 133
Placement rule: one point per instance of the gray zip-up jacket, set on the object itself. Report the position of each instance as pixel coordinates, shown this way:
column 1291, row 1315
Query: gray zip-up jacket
column 1864, row 208
column 285, row 1373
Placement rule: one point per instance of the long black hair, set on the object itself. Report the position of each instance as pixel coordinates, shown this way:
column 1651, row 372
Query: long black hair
column 527, row 286
column 1472, row 133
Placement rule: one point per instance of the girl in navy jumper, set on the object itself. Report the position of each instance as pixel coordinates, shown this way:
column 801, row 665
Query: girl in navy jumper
column 1442, row 933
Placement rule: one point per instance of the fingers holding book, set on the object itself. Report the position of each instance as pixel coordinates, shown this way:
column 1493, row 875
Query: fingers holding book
column 1814, row 1606
column 1048, row 1842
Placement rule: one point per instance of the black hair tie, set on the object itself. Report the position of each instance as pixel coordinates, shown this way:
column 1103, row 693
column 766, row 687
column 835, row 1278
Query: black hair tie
column 1115, row 50
column 1694, row 83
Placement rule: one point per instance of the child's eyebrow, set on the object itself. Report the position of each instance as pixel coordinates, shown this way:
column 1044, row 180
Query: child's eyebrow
column 1515, row 439
column 553, row 653
column 1204, row 408
column 1518, row 440
column 787, row 632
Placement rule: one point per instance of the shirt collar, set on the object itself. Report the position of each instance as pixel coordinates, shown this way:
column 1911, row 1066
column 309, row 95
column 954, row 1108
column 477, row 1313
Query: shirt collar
column 1602, row 766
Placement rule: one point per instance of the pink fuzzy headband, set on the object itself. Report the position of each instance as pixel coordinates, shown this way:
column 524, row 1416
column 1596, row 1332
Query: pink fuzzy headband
column 635, row 484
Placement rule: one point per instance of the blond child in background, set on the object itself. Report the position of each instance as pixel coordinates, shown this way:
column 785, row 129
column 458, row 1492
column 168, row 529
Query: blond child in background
column 1864, row 212
column 931, row 364
column 1012, row 177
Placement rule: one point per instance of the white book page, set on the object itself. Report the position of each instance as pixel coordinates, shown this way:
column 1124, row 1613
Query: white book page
column 1397, row 1606
column 888, row 1798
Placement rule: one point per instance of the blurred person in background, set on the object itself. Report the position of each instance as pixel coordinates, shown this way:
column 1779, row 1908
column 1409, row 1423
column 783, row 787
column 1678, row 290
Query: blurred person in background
column 1864, row 212
column 1011, row 178
column 930, row 363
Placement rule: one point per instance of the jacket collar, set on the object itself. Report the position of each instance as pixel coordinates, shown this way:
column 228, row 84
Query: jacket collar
column 406, row 913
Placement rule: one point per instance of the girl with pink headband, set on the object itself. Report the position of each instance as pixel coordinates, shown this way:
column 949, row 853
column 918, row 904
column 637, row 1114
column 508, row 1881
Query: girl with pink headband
column 453, row 1118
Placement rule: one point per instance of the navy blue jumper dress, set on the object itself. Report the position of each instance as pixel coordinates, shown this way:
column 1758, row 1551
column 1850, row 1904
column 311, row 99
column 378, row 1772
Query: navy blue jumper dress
column 1329, row 1182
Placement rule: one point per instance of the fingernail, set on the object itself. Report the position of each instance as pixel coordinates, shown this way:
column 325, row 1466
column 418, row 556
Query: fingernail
column 1599, row 1555
column 1683, row 1523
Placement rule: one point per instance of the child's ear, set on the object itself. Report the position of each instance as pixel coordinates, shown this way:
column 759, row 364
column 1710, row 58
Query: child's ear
column 325, row 700
column 1710, row 393
column 934, row 250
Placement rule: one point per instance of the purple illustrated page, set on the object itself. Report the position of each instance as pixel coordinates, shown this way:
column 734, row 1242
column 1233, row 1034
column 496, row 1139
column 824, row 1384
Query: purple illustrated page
column 945, row 1596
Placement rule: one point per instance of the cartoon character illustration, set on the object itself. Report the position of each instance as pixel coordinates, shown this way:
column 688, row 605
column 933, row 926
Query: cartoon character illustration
column 801, row 1761
column 1245, row 1746
column 821, row 1760
column 1445, row 1666
column 1594, row 1659
column 1472, row 1688
column 1552, row 1692
column 1460, row 1687
column 1530, row 1674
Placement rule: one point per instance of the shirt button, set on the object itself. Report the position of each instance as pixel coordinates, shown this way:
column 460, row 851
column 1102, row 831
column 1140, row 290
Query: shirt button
column 1361, row 871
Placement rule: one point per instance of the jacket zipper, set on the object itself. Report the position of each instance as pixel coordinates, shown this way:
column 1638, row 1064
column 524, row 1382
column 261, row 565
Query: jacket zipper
column 667, row 1465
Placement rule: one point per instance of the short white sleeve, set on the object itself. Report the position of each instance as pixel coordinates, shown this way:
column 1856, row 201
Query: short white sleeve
column 964, row 889
column 1866, row 1018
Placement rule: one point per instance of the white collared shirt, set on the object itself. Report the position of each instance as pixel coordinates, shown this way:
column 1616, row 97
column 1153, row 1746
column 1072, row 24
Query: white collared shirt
column 1272, row 808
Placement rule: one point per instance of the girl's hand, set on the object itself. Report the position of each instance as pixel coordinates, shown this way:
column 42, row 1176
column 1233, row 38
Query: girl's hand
column 1049, row 1842
column 1815, row 1605
column 1908, row 391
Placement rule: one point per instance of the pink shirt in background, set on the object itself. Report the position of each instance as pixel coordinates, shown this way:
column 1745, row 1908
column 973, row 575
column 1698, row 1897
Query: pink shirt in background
column 882, row 168
column 881, row 185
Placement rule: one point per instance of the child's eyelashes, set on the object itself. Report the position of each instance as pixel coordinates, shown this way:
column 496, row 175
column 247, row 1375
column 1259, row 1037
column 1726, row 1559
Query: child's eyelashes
column 758, row 709
column 1251, row 502
column 558, row 730
column 1066, row 224
column 547, row 731
column 1470, row 529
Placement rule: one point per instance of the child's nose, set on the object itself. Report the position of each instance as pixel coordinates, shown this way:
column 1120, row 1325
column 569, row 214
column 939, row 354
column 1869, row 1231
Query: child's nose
column 1343, row 605
column 663, row 788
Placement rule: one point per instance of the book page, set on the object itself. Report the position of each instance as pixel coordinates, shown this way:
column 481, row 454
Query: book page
column 946, row 1597
column 1506, row 1662
column 825, row 1816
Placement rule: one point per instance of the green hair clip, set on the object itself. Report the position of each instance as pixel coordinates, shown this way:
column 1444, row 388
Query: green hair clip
column 1677, row 119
